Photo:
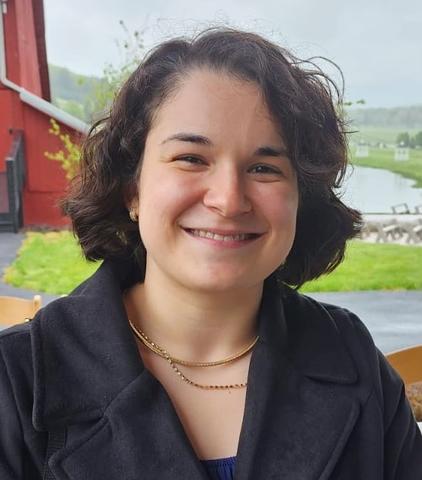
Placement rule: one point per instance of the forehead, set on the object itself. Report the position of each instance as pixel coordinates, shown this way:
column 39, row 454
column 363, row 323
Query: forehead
column 216, row 104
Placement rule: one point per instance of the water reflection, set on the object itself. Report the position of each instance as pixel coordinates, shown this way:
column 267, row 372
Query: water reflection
column 372, row 190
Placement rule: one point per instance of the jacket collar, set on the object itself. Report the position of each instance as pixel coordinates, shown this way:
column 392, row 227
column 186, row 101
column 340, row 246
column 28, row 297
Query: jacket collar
column 83, row 351
column 83, row 340
column 120, row 421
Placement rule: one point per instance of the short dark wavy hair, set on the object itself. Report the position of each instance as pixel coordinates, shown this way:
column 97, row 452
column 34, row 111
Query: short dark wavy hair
column 303, row 101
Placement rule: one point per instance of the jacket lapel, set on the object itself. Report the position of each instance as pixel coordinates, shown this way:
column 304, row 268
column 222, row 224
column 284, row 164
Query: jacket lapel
column 90, row 381
column 139, row 437
column 300, row 410
column 294, row 427
column 120, row 422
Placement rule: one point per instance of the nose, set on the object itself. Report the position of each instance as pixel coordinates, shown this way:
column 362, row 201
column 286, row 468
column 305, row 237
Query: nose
column 226, row 194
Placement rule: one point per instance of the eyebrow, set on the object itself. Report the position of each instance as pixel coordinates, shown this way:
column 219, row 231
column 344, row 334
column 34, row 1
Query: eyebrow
column 263, row 151
column 188, row 137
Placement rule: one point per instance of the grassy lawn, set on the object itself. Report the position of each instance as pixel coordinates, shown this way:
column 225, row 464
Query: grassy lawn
column 384, row 158
column 370, row 266
column 378, row 134
column 52, row 262
column 49, row 262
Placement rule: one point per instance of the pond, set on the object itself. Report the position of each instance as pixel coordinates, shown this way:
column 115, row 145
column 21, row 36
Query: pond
column 372, row 190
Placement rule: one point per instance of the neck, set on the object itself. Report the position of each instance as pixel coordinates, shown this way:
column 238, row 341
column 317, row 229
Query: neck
column 194, row 325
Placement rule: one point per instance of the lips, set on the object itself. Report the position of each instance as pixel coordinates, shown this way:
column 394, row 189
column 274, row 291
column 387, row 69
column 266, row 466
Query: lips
column 221, row 235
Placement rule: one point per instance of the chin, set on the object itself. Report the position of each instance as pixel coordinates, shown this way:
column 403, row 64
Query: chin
column 223, row 283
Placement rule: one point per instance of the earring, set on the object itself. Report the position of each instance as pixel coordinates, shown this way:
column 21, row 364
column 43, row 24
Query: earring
column 133, row 215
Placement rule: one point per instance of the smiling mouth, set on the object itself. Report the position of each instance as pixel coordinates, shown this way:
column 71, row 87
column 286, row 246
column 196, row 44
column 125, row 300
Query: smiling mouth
column 220, row 237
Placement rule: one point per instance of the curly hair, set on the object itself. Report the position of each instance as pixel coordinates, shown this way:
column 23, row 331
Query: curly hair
column 302, row 100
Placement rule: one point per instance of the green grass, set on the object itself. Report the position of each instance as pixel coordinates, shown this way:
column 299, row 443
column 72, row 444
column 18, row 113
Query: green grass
column 52, row 262
column 49, row 262
column 384, row 158
column 373, row 267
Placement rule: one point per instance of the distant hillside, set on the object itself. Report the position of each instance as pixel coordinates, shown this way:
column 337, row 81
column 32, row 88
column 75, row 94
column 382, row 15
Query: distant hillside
column 68, row 85
column 402, row 118
column 71, row 92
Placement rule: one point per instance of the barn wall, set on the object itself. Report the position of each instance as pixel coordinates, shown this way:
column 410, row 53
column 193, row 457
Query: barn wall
column 46, row 181
column 11, row 43
column 30, row 77
column 26, row 65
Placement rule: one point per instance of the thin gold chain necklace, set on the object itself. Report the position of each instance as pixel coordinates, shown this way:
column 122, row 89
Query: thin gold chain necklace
column 172, row 361
column 158, row 350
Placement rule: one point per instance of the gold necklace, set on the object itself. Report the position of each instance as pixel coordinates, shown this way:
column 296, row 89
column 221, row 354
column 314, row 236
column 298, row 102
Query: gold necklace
column 172, row 361
column 158, row 350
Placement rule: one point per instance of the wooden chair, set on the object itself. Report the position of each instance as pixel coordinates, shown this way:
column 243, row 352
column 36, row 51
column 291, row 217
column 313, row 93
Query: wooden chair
column 413, row 231
column 408, row 363
column 387, row 230
column 401, row 208
column 15, row 310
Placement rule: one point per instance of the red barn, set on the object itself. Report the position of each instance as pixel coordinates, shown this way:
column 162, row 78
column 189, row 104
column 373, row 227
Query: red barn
column 30, row 184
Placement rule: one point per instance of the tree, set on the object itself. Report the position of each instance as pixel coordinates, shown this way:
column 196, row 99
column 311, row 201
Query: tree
column 100, row 101
column 357, row 102
column 403, row 139
column 417, row 139
column 114, row 76
column 70, row 155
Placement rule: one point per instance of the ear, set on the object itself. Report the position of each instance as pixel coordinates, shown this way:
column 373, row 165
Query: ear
column 132, row 204
column 131, row 198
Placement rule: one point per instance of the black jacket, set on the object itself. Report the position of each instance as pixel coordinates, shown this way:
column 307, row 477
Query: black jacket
column 322, row 402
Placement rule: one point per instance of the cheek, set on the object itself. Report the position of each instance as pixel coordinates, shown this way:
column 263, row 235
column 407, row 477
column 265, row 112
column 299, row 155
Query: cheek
column 163, row 197
column 281, row 207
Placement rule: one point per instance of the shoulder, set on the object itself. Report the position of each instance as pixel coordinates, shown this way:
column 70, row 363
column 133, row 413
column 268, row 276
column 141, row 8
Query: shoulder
column 353, row 331
column 329, row 317
column 321, row 316
column 360, row 344
column 15, row 345
column 384, row 405
column 18, row 344
column 16, row 370
column 338, row 330
column 385, row 385
column 22, row 446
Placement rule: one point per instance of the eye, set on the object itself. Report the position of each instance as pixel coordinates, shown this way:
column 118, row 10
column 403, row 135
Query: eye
column 263, row 169
column 191, row 160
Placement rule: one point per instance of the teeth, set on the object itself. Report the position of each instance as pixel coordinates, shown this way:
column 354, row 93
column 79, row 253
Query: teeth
column 216, row 236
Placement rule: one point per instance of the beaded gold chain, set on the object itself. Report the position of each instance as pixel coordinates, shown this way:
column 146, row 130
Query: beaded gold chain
column 172, row 361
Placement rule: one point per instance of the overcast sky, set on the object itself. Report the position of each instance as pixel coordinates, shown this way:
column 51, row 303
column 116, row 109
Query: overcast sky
column 377, row 43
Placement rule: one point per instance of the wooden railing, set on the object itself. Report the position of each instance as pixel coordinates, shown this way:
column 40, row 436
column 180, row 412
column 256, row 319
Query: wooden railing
column 13, row 182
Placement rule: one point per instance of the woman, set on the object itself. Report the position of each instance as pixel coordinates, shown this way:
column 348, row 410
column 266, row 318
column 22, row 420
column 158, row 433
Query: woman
column 207, row 191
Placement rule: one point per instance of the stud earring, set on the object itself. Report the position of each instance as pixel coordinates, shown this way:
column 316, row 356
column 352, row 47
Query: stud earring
column 133, row 215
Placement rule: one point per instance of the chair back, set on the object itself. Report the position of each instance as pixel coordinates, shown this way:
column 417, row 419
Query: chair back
column 408, row 363
column 15, row 310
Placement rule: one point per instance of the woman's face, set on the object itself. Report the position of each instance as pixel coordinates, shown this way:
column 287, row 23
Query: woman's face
column 217, row 194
